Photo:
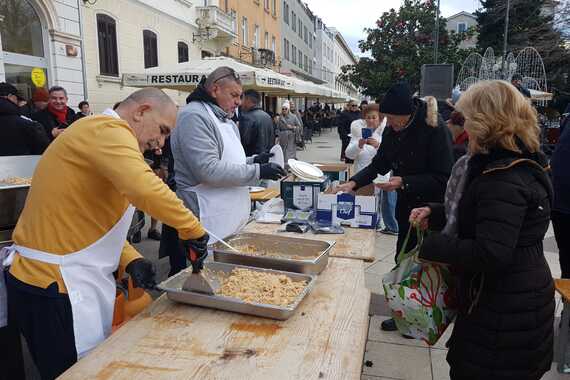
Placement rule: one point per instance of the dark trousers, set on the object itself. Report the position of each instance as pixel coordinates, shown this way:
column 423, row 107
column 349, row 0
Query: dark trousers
column 344, row 144
column 11, row 359
column 403, row 217
column 44, row 318
column 561, row 224
column 170, row 246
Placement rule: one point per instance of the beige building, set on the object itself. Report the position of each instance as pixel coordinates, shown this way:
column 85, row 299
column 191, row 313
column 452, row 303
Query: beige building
column 137, row 36
column 461, row 22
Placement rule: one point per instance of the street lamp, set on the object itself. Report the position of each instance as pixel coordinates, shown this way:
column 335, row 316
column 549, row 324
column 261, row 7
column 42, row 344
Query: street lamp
column 436, row 38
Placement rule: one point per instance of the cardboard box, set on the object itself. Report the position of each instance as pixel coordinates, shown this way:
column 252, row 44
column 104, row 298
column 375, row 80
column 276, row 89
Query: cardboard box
column 301, row 195
column 346, row 209
column 335, row 171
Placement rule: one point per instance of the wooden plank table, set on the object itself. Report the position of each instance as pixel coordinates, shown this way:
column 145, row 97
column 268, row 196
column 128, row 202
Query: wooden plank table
column 355, row 243
column 265, row 195
column 324, row 339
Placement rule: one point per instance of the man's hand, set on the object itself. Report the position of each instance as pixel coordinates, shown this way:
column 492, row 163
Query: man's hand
column 373, row 142
column 361, row 143
column 262, row 158
column 419, row 217
column 271, row 171
column 394, row 183
column 57, row 131
column 200, row 248
column 345, row 187
column 142, row 273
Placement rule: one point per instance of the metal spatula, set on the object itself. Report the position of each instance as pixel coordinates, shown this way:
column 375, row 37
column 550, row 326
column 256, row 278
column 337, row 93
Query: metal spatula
column 197, row 282
column 223, row 242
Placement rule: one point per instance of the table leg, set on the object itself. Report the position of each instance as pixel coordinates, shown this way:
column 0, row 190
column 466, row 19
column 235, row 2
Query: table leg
column 563, row 339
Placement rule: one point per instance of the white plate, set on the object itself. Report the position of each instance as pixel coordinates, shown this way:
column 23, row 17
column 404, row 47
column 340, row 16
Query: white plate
column 277, row 156
column 256, row 189
column 305, row 169
column 303, row 176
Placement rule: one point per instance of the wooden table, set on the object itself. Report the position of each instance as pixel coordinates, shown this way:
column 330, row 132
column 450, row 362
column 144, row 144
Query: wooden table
column 355, row 243
column 563, row 287
column 264, row 195
column 324, row 339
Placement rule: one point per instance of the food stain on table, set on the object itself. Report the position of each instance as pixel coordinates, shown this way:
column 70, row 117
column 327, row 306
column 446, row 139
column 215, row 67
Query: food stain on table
column 233, row 354
column 115, row 366
column 265, row 330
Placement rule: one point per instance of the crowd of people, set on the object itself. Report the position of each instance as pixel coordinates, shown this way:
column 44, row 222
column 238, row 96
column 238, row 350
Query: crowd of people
column 476, row 179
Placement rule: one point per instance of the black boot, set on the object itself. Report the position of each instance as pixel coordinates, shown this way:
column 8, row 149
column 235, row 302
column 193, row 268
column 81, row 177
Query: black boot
column 389, row 325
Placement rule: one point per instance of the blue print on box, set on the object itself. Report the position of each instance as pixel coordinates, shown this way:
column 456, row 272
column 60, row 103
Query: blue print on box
column 345, row 206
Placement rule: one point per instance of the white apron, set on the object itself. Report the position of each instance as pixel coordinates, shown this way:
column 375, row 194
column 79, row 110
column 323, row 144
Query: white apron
column 224, row 210
column 88, row 277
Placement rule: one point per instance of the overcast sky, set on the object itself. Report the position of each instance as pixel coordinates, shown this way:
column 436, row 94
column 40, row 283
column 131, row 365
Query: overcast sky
column 350, row 17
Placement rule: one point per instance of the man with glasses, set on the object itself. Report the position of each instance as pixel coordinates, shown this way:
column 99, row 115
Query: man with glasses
column 212, row 170
column 350, row 114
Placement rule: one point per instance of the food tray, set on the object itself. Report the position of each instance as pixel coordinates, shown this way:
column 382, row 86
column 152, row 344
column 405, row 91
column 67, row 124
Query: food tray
column 173, row 288
column 316, row 252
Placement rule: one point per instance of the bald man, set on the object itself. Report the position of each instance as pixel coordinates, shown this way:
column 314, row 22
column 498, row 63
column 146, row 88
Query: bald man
column 71, row 235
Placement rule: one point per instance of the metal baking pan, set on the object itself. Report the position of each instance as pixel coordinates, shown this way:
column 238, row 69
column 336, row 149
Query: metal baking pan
column 305, row 255
column 173, row 288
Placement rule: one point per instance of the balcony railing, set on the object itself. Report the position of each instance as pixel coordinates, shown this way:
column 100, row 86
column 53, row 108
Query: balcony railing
column 213, row 17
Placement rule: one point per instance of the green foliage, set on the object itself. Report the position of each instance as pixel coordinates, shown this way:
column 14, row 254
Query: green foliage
column 401, row 42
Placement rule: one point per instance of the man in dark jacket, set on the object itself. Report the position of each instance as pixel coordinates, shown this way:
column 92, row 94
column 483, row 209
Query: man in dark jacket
column 18, row 134
column 57, row 116
column 255, row 125
column 417, row 149
column 344, row 120
column 561, row 209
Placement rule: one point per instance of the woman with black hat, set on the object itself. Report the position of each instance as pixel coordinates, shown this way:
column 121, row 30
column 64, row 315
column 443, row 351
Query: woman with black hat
column 416, row 147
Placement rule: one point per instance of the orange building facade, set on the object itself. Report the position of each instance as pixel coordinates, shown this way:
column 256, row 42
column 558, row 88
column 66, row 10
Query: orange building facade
column 258, row 30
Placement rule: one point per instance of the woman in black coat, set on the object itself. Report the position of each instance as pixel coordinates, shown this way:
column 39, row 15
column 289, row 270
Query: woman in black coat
column 494, row 221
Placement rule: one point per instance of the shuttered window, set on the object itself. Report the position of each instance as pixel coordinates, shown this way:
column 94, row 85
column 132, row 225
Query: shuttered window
column 107, row 38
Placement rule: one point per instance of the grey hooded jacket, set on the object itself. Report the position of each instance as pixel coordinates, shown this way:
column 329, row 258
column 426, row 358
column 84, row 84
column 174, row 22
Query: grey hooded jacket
column 197, row 148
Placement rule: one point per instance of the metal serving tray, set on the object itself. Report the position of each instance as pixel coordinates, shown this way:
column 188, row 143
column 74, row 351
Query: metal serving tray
column 173, row 288
column 13, row 197
column 315, row 253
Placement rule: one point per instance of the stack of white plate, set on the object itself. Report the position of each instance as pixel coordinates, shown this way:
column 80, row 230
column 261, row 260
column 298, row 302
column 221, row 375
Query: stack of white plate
column 305, row 171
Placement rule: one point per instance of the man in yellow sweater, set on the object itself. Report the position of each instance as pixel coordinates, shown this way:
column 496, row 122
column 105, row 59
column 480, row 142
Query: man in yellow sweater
column 71, row 235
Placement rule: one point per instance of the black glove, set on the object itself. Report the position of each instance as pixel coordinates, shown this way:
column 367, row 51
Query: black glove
column 271, row 171
column 262, row 158
column 142, row 273
column 200, row 248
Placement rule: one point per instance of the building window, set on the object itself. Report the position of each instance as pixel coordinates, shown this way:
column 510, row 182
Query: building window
column 311, row 41
column 244, row 33
column 226, row 6
column 293, row 21
column 286, row 12
column 306, row 63
column 311, row 66
column 461, row 27
column 256, row 37
column 266, row 41
column 150, row 49
column 300, row 59
column 294, row 54
column 233, row 16
column 300, row 29
column 306, row 35
column 274, row 8
column 273, row 44
column 182, row 52
column 266, row 4
column 107, row 38
column 286, row 49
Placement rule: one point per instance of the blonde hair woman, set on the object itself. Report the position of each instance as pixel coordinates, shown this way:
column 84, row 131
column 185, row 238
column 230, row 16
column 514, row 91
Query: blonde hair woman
column 496, row 212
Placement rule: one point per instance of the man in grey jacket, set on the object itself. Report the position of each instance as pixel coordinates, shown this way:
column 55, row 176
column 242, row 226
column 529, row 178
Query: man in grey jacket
column 255, row 125
column 212, row 171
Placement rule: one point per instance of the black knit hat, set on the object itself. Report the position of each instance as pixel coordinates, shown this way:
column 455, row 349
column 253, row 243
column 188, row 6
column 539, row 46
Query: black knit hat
column 398, row 100
column 7, row 89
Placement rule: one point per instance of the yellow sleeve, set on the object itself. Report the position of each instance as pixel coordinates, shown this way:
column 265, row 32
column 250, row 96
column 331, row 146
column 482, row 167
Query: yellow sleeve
column 129, row 254
column 117, row 157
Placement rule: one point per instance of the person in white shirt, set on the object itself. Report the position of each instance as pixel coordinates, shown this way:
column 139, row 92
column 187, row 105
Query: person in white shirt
column 364, row 144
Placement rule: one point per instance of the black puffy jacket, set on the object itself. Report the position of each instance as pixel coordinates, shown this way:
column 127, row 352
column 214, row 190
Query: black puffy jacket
column 18, row 134
column 504, row 329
